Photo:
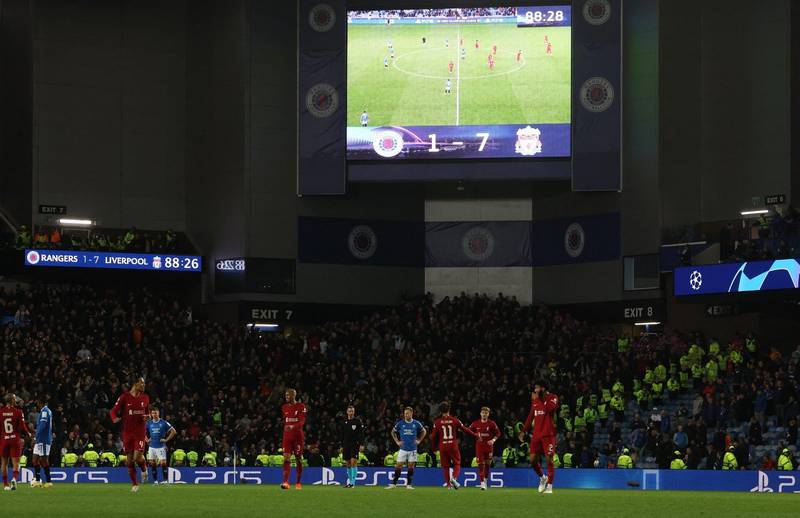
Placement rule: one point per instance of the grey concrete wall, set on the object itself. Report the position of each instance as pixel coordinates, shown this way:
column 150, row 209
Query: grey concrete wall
column 109, row 109
column 725, row 106
column 16, row 51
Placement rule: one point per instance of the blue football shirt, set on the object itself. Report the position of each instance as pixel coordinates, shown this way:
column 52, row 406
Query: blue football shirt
column 408, row 431
column 44, row 427
column 157, row 430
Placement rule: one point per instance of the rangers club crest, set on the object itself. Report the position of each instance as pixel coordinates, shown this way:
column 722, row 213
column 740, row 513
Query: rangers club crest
column 33, row 257
column 528, row 142
column 387, row 144
column 596, row 12
column 597, row 94
column 574, row 240
column 322, row 100
column 478, row 244
column 322, row 17
column 362, row 242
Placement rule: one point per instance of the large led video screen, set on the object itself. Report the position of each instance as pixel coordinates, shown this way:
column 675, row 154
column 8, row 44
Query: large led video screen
column 459, row 83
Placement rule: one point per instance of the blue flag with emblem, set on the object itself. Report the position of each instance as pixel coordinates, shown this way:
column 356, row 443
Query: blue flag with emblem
column 487, row 244
column 580, row 239
column 360, row 242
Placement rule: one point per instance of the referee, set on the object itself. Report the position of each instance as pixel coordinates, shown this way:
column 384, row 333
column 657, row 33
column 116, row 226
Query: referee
column 352, row 433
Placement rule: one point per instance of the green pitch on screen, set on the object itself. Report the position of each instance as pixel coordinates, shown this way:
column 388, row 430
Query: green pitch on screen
column 197, row 501
column 411, row 91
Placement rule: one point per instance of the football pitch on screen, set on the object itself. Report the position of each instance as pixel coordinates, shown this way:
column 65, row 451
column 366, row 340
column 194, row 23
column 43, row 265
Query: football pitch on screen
column 179, row 500
column 411, row 90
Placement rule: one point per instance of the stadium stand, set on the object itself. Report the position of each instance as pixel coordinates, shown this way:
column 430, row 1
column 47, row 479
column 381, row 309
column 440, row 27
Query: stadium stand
column 221, row 386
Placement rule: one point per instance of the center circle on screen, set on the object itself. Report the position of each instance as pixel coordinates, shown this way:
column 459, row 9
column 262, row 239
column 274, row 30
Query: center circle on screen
column 406, row 69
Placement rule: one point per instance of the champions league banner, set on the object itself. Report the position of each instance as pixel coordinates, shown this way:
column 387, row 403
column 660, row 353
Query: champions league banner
column 621, row 479
column 435, row 142
column 597, row 95
column 756, row 276
column 321, row 97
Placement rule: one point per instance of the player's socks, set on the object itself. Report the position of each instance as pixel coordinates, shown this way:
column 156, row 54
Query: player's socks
column 47, row 473
column 396, row 476
column 15, row 475
column 551, row 472
column 155, row 473
column 353, row 475
column 486, row 468
column 446, row 475
column 538, row 469
column 299, row 469
column 165, row 472
column 286, row 467
column 36, row 471
column 410, row 475
column 456, row 470
column 132, row 474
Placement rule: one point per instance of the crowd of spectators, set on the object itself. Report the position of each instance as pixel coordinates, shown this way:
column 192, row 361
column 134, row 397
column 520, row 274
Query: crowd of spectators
column 775, row 235
column 464, row 12
column 96, row 239
column 222, row 386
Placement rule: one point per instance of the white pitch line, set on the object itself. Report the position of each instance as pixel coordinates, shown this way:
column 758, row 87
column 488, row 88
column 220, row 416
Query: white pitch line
column 458, row 73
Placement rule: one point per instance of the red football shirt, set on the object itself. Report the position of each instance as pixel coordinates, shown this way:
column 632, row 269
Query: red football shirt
column 294, row 417
column 13, row 423
column 135, row 411
column 487, row 430
column 445, row 432
column 542, row 415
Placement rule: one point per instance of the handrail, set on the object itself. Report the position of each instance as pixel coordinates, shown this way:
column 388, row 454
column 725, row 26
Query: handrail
column 9, row 221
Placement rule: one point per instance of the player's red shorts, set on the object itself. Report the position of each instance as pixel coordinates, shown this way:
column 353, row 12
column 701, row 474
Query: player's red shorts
column 10, row 448
column 484, row 452
column 450, row 456
column 294, row 442
column 545, row 445
column 132, row 443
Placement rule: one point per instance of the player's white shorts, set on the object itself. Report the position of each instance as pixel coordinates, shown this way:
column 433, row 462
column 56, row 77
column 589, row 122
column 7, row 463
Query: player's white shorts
column 404, row 456
column 41, row 449
column 158, row 454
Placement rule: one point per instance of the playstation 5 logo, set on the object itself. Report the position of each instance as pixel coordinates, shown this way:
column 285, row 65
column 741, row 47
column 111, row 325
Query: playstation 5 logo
column 328, row 478
column 763, row 484
column 786, row 484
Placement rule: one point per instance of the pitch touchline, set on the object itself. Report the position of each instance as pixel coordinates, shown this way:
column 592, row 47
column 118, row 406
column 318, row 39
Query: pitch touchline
column 458, row 73
column 426, row 76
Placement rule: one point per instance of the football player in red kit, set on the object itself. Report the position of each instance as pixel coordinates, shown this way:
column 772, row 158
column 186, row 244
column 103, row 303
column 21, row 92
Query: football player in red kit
column 445, row 439
column 294, row 419
column 11, row 439
column 450, row 66
column 487, row 432
column 543, row 438
column 135, row 409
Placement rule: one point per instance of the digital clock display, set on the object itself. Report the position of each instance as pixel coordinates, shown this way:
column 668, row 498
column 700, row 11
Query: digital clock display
column 113, row 260
column 543, row 16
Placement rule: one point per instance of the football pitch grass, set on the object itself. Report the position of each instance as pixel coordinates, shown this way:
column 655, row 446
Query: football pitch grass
column 410, row 92
column 109, row 500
